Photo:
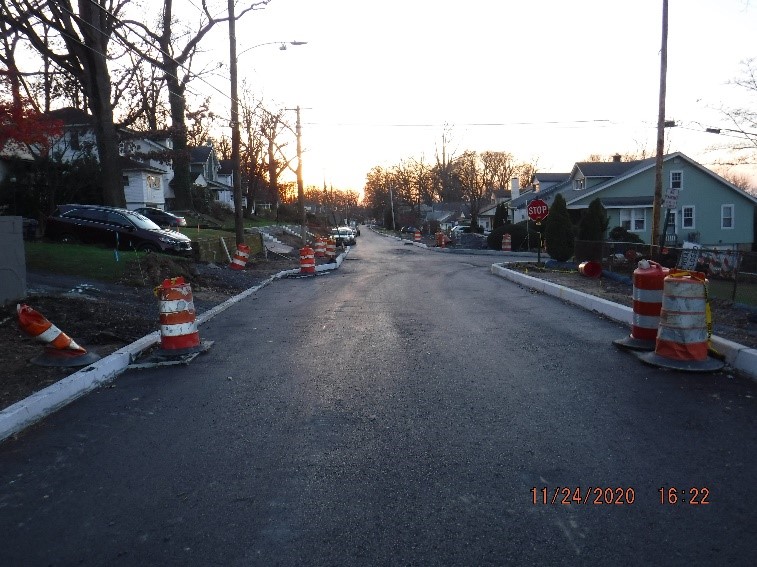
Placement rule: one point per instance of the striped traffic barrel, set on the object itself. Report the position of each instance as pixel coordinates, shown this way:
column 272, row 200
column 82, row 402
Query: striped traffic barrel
column 178, row 327
column 307, row 260
column 683, row 335
column 417, row 236
column 239, row 261
column 331, row 248
column 320, row 247
column 648, row 284
column 507, row 240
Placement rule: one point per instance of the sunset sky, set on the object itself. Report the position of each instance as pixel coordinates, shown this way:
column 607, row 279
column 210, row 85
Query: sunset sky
column 546, row 80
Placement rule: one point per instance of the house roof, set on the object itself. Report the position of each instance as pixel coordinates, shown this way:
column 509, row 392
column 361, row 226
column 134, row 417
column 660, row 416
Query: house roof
column 603, row 168
column 227, row 167
column 551, row 177
column 440, row 216
column 488, row 211
column 72, row 116
column 199, row 154
column 643, row 165
column 128, row 164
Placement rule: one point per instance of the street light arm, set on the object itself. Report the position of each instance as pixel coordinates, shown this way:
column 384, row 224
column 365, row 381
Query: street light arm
column 282, row 44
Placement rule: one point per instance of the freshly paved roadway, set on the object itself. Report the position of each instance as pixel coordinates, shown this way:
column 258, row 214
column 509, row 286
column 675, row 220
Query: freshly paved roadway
column 397, row 411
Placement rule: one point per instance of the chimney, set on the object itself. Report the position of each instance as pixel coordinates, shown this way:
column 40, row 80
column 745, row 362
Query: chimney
column 616, row 158
column 514, row 188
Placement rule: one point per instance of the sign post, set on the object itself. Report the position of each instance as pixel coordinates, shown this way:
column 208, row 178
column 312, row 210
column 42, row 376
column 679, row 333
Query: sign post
column 670, row 203
column 537, row 211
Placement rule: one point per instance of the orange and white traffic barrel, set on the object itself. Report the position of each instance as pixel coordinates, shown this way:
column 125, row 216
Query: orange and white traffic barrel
column 507, row 240
column 307, row 260
column 60, row 349
column 178, row 326
column 417, row 236
column 239, row 261
column 331, row 248
column 683, row 335
column 648, row 285
column 320, row 247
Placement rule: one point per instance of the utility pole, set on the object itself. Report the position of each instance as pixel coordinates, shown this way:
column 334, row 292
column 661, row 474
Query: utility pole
column 235, row 139
column 300, row 187
column 657, row 202
column 391, row 202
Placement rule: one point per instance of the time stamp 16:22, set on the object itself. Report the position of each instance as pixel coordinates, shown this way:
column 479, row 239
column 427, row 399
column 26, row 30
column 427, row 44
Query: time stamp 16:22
column 616, row 495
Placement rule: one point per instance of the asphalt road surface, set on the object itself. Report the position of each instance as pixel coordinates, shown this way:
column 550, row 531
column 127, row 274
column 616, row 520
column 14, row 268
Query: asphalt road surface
column 407, row 409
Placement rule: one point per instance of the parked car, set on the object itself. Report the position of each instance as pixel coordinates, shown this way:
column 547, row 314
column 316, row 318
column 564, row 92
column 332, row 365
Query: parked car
column 162, row 218
column 408, row 229
column 459, row 229
column 343, row 235
column 111, row 226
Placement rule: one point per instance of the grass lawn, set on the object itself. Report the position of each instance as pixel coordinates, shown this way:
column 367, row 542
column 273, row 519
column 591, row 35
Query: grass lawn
column 82, row 260
column 746, row 292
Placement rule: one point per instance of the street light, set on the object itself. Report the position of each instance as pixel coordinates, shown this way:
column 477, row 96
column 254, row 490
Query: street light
column 282, row 45
column 236, row 169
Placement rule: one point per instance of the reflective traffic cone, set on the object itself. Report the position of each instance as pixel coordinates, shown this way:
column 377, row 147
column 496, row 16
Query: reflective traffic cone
column 60, row 349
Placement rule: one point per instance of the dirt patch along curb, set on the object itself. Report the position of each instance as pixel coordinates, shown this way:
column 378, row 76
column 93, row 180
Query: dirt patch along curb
column 24, row 413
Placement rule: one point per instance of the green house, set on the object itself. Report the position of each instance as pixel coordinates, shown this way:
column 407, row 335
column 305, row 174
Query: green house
column 708, row 210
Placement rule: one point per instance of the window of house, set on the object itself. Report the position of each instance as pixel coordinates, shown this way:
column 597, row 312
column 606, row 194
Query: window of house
column 125, row 180
column 153, row 181
column 676, row 180
column 633, row 220
column 75, row 145
column 726, row 216
column 687, row 217
column 578, row 184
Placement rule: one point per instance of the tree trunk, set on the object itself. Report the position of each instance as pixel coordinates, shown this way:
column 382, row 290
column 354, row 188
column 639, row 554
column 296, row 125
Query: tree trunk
column 98, row 88
column 182, row 179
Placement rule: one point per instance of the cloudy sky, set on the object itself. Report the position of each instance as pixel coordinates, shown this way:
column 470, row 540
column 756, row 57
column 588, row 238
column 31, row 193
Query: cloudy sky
column 546, row 80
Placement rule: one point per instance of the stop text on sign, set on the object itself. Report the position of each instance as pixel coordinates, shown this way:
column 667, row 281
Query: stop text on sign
column 537, row 210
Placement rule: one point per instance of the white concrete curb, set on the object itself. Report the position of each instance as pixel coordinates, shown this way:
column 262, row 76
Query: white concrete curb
column 738, row 356
column 39, row 405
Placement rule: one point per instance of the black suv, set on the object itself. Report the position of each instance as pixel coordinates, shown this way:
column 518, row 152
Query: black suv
column 113, row 227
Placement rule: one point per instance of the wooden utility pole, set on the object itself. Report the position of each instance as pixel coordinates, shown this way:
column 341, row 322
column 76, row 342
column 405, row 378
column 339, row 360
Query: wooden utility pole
column 657, row 202
column 300, row 186
column 235, row 138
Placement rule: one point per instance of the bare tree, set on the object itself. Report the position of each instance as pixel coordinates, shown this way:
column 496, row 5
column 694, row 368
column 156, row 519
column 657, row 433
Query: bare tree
column 202, row 122
column 446, row 187
column 743, row 182
column 743, row 121
column 81, row 49
column 177, row 48
column 470, row 170
column 498, row 169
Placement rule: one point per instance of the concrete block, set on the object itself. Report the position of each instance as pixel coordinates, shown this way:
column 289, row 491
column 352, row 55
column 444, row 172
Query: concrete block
column 12, row 260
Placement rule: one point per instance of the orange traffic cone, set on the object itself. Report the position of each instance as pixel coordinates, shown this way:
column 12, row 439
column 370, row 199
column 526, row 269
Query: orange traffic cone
column 61, row 350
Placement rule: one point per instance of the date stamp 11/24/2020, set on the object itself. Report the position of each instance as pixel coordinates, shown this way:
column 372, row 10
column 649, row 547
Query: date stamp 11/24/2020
column 616, row 496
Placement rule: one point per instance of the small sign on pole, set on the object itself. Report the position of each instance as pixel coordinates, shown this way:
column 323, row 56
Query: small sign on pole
column 671, row 198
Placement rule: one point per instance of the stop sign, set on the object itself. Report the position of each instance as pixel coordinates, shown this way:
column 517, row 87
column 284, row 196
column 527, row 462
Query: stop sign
column 537, row 210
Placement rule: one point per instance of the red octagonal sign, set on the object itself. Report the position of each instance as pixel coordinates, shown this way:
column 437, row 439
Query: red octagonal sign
column 537, row 210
